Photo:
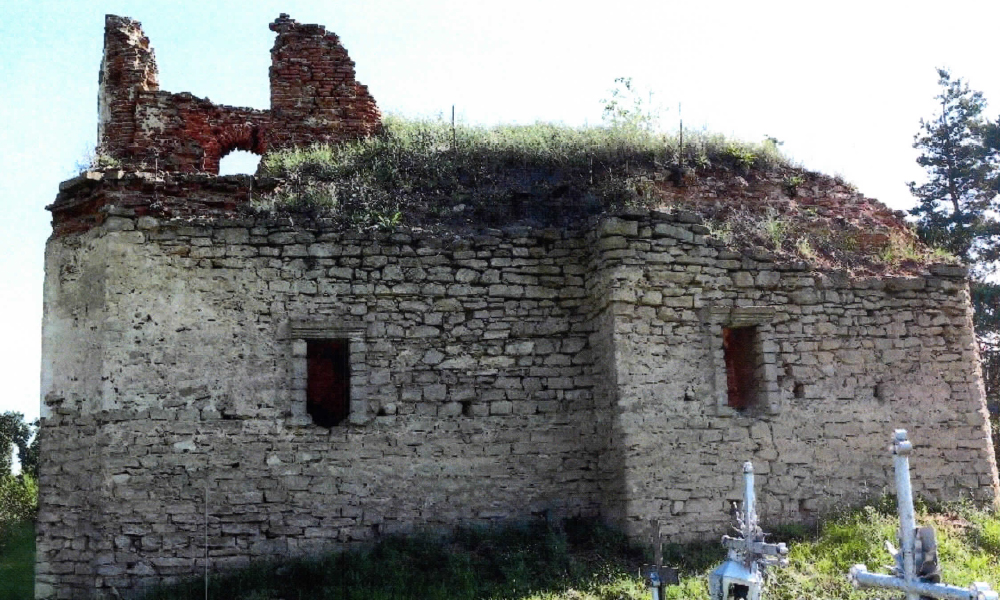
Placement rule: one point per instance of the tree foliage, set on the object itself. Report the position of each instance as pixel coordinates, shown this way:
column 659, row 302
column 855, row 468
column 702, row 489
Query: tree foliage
column 627, row 107
column 957, row 201
column 18, row 493
column 18, row 499
column 958, row 204
column 15, row 433
column 986, row 303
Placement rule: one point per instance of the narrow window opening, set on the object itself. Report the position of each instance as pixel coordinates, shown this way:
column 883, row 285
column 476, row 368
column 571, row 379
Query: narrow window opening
column 799, row 390
column 328, row 391
column 742, row 363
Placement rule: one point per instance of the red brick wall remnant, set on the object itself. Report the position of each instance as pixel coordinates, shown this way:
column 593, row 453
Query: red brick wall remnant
column 314, row 99
column 314, row 95
column 128, row 68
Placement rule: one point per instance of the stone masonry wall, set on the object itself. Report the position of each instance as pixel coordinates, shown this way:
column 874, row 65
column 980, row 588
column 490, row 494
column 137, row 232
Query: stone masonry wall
column 314, row 99
column 495, row 376
column 498, row 375
column 846, row 362
column 471, row 393
column 74, row 309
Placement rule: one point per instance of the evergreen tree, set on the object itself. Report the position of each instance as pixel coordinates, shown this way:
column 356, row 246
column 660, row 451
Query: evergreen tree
column 958, row 204
column 986, row 304
column 955, row 204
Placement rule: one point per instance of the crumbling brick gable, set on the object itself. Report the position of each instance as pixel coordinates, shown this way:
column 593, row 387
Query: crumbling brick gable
column 314, row 99
column 314, row 95
column 181, row 132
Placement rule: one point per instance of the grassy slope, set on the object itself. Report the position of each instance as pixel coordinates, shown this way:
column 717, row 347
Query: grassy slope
column 17, row 561
column 587, row 562
column 424, row 174
column 968, row 547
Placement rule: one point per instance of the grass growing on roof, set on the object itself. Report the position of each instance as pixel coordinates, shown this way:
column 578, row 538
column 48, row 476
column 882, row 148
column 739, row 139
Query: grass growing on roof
column 426, row 170
column 819, row 241
column 407, row 150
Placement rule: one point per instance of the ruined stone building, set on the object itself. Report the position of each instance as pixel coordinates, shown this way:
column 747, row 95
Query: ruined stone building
column 309, row 386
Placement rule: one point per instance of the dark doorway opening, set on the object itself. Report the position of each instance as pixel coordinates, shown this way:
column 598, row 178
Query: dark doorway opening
column 328, row 391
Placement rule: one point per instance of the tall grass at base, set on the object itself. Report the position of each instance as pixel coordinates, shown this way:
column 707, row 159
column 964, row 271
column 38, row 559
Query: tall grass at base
column 968, row 550
column 17, row 560
column 18, row 507
column 588, row 561
column 527, row 561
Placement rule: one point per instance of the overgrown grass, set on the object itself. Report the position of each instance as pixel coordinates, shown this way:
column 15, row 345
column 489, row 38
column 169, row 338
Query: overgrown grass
column 967, row 548
column 18, row 506
column 808, row 237
column 586, row 561
column 529, row 561
column 17, row 560
column 425, row 174
column 418, row 171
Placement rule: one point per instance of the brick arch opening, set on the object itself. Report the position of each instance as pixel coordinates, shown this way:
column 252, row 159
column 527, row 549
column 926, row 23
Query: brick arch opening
column 247, row 137
column 239, row 162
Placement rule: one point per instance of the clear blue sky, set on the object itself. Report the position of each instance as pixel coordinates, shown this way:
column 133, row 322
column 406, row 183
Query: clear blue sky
column 843, row 84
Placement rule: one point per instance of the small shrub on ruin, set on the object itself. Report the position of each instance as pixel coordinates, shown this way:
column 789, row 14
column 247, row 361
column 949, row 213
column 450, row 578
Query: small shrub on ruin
column 720, row 230
column 742, row 156
column 791, row 185
column 96, row 160
column 804, row 248
column 774, row 228
column 900, row 248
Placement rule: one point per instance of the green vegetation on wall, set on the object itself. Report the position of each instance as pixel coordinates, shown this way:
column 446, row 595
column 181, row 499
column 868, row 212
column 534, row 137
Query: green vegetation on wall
column 422, row 171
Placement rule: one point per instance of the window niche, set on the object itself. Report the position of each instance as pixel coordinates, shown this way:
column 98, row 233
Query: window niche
column 743, row 360
column 328, row 381
column 327, row 370
column 740, row 350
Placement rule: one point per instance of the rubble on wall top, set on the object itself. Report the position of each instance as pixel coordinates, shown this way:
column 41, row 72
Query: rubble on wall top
column 284, row 23
column 171, row 143
column 825, row 227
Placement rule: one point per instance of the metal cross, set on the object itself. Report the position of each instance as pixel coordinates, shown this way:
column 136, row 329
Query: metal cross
column 741, row 575
column 916, row 571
